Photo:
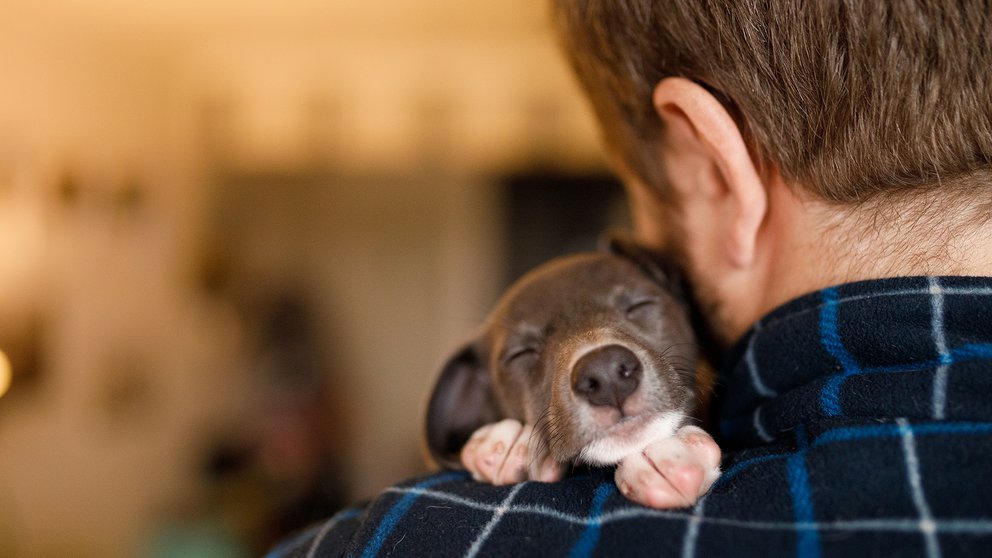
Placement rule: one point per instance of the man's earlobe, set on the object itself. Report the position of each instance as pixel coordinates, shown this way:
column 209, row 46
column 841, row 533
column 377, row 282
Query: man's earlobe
column 709, row 158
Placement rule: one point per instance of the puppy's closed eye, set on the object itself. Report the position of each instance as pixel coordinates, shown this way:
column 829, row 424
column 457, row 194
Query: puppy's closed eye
column 642, row 309
column 519, row 356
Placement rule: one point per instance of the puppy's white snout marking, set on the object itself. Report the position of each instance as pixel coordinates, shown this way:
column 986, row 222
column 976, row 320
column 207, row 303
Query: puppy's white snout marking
column 607, row 376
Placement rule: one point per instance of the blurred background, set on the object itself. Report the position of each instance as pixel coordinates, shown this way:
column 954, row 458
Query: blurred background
column 237, row 239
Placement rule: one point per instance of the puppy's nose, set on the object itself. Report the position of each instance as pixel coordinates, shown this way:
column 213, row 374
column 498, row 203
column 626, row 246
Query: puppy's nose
column 607, row 376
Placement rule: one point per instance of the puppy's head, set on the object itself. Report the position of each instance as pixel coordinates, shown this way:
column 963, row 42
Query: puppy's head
column 595, row 350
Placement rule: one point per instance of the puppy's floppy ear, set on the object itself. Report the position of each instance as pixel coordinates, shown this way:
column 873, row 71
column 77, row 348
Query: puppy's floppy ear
column 655, row 265
column 462, row 401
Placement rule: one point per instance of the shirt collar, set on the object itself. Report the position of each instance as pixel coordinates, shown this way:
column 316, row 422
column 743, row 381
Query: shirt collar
column 900, row 347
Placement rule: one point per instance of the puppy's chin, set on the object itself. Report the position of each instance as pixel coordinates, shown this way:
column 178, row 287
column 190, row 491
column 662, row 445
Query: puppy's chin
column 630, row 435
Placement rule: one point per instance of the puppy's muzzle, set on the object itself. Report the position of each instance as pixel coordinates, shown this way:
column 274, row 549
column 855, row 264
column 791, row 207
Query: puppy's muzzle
column 607, row 376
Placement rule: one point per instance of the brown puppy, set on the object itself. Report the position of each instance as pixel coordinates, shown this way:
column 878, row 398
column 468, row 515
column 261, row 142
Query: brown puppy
column 589, row 358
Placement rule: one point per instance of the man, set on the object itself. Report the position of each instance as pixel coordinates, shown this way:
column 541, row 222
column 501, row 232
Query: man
column 823, row 172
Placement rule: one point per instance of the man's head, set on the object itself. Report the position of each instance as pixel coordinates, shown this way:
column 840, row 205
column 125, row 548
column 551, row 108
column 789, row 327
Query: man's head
column 753, row 136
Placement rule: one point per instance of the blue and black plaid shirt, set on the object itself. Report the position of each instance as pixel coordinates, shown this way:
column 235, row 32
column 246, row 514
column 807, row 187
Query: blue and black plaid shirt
column 855, row 421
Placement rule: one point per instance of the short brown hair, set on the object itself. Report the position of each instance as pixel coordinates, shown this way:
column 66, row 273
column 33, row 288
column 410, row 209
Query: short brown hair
column 849, row 98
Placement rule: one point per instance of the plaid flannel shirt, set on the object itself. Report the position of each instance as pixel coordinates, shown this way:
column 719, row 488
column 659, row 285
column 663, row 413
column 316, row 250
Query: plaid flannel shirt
column 856, row 421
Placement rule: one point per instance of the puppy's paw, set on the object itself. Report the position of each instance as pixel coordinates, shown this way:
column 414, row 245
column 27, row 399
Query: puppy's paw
column 500, row 453
column 671, row 472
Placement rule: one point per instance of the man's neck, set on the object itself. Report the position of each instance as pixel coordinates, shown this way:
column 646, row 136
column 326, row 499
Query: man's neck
column 817, row 245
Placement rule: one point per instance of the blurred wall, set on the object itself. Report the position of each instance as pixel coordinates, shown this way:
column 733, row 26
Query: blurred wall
column 347, row 149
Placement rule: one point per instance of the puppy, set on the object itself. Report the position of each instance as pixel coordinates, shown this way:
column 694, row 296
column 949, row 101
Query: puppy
column 587, row 359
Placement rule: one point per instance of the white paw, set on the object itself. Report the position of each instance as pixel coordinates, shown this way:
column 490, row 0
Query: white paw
column 500, row 453
column 671, row 472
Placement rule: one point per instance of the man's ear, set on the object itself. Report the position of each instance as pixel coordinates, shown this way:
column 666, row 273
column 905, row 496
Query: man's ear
column 462, row 401
column 709, row 159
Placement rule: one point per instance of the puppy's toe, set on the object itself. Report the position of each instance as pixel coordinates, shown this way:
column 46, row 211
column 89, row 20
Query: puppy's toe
column 703, row 450
column 671, row 472
column 701, row 445
column 514, row 466
column 546, row 470
column 488, row 450
column 473, row 448
column 663, row 485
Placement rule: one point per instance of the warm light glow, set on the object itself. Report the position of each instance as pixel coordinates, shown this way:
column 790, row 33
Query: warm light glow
column 5, row 373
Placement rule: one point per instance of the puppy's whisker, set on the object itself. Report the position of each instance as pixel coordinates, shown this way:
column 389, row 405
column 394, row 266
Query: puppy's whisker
column 538, row 438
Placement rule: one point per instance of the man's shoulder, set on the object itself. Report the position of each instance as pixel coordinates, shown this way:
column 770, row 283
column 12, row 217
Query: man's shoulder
column 895, row 486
